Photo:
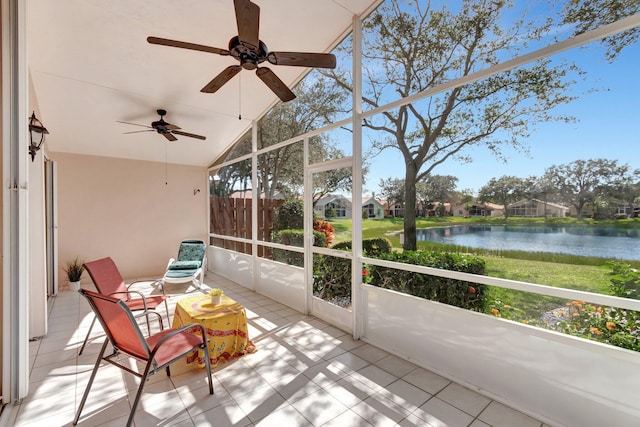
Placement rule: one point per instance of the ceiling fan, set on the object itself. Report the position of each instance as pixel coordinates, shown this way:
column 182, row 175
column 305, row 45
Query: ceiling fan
column 250, row 51
column 163, row 128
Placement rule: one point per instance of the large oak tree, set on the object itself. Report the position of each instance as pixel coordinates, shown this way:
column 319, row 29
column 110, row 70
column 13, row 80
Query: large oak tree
column 411, row 46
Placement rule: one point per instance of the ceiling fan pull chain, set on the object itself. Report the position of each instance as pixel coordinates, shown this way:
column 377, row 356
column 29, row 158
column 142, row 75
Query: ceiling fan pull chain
column 240, row 97
column 166, row 181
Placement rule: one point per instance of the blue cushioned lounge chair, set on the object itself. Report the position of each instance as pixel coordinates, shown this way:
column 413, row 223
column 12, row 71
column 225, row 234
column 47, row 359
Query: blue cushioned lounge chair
column 190, row 265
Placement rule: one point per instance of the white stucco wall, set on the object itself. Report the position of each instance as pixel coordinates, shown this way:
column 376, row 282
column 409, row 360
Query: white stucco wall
column 123, row 209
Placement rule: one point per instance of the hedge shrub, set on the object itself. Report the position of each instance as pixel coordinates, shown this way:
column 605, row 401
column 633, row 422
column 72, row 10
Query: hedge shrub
column 289, row 215
column 294, row 238
column 371, row 247
column 332, row 275
column 449, row 291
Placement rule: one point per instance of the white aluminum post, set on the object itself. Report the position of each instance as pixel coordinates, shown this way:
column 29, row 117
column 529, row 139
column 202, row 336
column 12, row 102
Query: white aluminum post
column 15, row 114
column 356, row 190
column 255, row 191
column 308, row 228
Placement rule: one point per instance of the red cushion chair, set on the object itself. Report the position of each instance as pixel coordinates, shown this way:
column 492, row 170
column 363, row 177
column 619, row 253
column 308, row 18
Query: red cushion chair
column 108, row 281
column 158, row 351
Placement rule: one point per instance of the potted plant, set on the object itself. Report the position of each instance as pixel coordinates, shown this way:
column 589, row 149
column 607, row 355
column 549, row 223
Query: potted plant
column 74, row 270
column 216, row 296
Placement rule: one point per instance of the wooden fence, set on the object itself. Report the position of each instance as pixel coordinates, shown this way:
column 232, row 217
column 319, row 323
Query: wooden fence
column 233, row 217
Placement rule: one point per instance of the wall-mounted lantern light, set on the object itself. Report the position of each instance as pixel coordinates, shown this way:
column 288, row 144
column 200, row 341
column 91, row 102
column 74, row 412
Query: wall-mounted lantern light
column 36, row 135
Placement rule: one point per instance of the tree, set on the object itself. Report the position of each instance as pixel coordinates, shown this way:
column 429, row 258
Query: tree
column 627, row 189
column 504, row 191
column 582, row 182
column 435, row 188
column 392, row 190
column 282, row 169
column 590, row 14
column 411, row 47
column 540, row 188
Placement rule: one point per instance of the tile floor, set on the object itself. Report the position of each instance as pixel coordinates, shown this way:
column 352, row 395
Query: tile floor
column 305, row 373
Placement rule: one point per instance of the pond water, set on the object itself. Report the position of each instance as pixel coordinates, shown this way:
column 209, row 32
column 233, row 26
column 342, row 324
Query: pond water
column 603, row 242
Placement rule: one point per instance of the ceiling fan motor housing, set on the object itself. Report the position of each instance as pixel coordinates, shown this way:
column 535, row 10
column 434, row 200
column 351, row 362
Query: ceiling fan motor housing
column 248, row 55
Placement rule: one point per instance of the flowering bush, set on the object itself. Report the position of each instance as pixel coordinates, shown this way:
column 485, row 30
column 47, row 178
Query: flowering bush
column 326, row 228
column 366, row 276
column 613, row 326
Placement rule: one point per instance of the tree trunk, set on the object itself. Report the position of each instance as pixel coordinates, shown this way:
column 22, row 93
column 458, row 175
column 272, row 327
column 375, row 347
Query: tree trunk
column 410, row 243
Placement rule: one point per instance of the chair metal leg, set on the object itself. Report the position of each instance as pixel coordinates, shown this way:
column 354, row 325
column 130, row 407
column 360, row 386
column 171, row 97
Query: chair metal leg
column 166, row 306
column 87, row 337
column 143, row 381
column 207, row 362
column 93, row 376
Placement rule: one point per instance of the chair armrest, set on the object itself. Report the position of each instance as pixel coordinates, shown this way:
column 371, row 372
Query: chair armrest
column 171, row 261
column 144, row 300
column 178, row 331
column 147, row 313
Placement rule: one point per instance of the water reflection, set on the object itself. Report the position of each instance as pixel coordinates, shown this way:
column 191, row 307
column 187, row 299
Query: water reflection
column 604, row 242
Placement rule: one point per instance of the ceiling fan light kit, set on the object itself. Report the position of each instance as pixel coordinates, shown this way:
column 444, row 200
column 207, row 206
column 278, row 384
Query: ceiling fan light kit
column 250, row 52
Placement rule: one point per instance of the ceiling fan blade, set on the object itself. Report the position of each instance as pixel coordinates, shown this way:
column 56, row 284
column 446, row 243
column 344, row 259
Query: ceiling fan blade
column 186, row 45
column 301, row 59
column 169, row 126
column 221, row 79
column 248, row 19
column 190, row 135
column 169, row 136
column 135, row 124
column 138, row 131
column 275, row 84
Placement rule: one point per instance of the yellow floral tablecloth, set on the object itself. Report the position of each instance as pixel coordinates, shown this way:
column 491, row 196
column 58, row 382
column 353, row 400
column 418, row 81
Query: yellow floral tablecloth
column 225, row 325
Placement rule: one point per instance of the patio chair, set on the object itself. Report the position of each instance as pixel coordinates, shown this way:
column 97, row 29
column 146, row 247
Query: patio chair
column 108, row 281
column 157, row 352
column 191, row 263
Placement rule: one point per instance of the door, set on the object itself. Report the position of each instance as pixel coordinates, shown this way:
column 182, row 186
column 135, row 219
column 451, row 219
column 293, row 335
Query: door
column 51, row 214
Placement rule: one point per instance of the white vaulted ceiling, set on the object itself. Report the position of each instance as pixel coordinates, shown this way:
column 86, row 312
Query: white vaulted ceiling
column 91, row 66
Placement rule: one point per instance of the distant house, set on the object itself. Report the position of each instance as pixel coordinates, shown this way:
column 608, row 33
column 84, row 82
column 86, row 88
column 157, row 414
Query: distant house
column 434, row 209
column 536, row 208
column 478, row 209
column 371, row 208
column 339, row 206
column 392, row 209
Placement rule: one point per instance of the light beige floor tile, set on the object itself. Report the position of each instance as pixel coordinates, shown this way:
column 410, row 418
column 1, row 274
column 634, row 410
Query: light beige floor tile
column 296, row 388
column 462, row 398
column 376, row 410
column 370, row 353
column 319, row 407
column 374, row 377
column 348, row 418
column 261, row 403
column 285, row 416
column 406, row 395
column 439, row 413
column 499, row 415
column 426, row 380
column 478, row 423
column 229, row 415
column 395, row 365
column 324, row 374
column 349, row 393
column 348, row 363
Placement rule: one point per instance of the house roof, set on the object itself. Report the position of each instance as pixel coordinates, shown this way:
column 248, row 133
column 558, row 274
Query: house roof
column 548, row 204
column 90, row 66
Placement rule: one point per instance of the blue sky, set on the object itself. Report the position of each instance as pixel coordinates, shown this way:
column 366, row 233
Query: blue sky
column 607, row 127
